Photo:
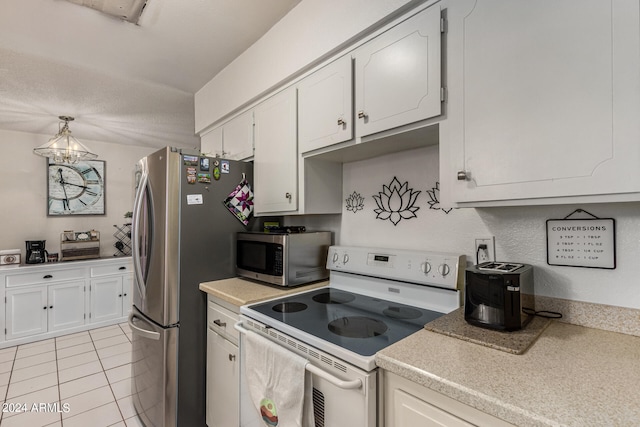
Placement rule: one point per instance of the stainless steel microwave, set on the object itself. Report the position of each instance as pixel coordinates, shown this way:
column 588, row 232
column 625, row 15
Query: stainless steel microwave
column 281, row 258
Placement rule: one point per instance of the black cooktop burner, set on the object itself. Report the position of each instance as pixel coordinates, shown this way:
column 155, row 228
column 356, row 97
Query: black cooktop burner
column 289, row 307
column 357, row 327
column 398, row 312
column 340, row 317
column 332, row 296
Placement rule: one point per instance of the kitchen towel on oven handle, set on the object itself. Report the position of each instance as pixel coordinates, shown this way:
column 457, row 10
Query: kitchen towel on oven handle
column 279, row 384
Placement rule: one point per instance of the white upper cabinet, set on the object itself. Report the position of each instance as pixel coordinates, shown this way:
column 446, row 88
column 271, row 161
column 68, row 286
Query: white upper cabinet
column 544, row 100
column 325, row 106
column 397, row 75
column 233, row 140
column 237, row 137
column 211, row 143
column 275, row 160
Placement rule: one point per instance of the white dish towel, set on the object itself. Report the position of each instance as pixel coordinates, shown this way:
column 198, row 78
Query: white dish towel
column 279, row 385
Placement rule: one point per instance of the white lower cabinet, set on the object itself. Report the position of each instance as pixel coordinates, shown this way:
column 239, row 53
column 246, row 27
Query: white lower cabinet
column 40, row 309
column 26, row 312
column 110, row 298
column 222, row 381
column 48, row 300
column 223, row 367
column 407, row 404
column 66, row 305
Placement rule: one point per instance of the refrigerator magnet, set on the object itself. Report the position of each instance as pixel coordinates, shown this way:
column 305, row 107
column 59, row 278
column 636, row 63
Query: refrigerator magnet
column 204, row 177
column 204, row 164
column 190, row 160
column 191, row 175
column 216, row 173
column 224, row 166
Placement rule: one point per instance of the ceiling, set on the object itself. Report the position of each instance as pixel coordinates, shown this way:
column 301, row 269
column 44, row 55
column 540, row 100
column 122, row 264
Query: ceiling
column 123, row 83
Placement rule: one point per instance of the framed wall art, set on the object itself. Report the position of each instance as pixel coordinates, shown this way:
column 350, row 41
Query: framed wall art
column 76, row 188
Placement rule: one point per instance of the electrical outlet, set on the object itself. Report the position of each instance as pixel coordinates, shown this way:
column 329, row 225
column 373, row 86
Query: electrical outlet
column 488, row 254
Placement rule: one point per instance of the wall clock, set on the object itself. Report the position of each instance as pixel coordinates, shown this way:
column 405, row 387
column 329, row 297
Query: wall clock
column 76, row 188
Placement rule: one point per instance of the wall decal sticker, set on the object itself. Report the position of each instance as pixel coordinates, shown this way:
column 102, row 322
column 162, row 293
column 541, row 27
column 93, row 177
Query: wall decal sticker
column 434, row 195
column 355, row 202
column 396, row 202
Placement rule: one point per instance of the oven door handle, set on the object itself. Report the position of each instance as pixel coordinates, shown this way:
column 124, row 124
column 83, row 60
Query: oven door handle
column 353, row 384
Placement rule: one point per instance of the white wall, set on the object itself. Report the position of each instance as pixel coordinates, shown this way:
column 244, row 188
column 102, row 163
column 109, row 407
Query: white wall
column 311, row 30
column 520, row 232
column 23, row 191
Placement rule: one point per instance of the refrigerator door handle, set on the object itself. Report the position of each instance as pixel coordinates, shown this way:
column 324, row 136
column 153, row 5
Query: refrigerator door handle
column 142, row 332
column 137, row 209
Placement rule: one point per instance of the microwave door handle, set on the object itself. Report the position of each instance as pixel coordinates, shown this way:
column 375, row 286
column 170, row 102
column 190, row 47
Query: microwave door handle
column 348, row 385
column 136, row 244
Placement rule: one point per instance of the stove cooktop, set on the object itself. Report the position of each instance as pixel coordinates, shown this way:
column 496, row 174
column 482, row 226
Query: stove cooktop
column 356, row 322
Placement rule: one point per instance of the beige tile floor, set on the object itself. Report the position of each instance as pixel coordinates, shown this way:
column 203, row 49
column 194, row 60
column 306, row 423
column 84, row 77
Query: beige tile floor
column 85, row 378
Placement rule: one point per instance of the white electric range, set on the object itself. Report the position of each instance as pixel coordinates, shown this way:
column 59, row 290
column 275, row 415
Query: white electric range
column 375, row 297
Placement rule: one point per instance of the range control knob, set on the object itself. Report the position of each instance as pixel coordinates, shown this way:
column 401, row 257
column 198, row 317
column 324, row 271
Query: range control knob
column 335, row 257
column 444, row 269
column 345, row 258
column 425, row 267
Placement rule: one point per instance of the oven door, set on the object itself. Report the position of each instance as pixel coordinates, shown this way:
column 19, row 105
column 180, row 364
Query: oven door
column 343, row 395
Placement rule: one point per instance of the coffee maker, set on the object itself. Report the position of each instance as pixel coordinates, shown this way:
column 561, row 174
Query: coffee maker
column 36, row 253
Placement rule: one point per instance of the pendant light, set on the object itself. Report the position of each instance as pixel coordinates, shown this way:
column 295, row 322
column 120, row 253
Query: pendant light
column 64, row 148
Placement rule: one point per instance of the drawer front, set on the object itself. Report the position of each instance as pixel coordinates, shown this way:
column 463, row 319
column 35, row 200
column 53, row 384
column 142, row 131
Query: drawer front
column 45, row 277
column 221, row 320
column 108, row 270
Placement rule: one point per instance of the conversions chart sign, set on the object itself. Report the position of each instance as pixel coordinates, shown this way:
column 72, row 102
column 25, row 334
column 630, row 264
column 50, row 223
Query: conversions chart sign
column 581, row 242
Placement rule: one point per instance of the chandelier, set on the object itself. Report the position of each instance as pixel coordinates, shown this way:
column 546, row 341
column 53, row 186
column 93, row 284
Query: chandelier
column 64, row 148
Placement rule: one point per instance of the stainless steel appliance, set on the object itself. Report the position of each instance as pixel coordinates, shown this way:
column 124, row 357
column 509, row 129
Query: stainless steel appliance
column 497, row 294
column 375, row 298
column 36, row 252
column 283, row 258
column 182, row 235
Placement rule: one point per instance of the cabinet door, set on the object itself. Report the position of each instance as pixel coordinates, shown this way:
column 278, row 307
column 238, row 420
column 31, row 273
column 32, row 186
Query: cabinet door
column 237, row 137
column 410, row 411
column 106, row 299
column 398, row 75
column 211, row 143
column 275, row 161
column 325, row 106
column 127, row 292
column 26, row 311
column 223, row 382
column 544, row 99
column 66, row 305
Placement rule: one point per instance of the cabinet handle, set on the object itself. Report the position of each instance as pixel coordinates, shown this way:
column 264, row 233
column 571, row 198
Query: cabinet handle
column 362, row 114
column 219, row 323
column 120, row 296
column 341, row 122
column 232, row 357
column 50, row 306
column 122, row 268
column 288, row 196
column 463, row 175
column 44, row 308
column 48, row 276
column 125, row 295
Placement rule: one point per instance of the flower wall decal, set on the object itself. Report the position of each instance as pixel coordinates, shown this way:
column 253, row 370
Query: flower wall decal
column 434, row 195
column 396, row 202
column 355, row 202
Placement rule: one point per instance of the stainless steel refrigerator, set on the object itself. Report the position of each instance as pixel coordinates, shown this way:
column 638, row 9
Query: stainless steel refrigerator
column 183, row 234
